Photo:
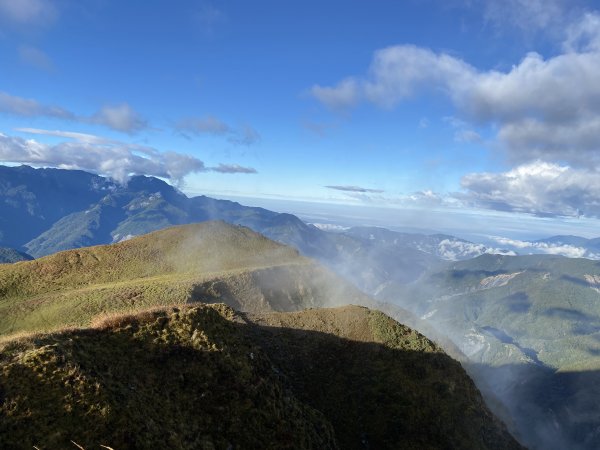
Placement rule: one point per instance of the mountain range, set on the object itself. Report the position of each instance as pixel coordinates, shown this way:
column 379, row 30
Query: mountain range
column 526, row 327
column 91, row 356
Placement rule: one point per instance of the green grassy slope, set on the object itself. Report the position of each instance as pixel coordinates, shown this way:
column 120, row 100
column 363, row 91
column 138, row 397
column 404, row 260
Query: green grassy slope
column 207, row 377
column 210, row 261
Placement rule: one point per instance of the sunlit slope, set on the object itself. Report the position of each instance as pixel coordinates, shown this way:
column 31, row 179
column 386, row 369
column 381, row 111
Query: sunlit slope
column 207, row 377
column 210, row 261
column 546, row 308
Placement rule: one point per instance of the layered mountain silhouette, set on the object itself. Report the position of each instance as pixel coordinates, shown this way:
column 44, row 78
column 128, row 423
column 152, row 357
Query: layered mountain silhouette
column 43, row 211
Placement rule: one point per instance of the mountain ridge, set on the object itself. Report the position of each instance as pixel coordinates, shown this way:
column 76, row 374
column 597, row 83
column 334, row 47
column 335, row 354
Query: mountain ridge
column 241, row 381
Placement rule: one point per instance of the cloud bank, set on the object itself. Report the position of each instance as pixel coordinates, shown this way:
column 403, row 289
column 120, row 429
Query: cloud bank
column 115, row 159
column 539, row 188
column 570, row 251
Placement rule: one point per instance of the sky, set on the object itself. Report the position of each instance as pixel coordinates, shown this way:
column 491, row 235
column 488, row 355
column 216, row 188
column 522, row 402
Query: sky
column 490, row 107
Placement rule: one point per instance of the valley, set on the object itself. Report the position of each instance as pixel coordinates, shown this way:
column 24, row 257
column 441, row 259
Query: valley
column 520, row 325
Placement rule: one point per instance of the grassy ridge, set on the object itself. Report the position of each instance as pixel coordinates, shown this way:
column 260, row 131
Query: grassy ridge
column 207, row 377
column 210, row 262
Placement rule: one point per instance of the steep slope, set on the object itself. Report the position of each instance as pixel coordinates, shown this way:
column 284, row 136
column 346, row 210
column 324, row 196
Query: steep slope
column 210, row 261
column 347, row 378
column 531, row 327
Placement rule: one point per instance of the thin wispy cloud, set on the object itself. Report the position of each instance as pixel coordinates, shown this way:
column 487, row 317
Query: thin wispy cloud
column 121, row 117
column 35, row 57
column 355, row 189
column 26, row 107
column 211, row 125
column 28, row 12
column 233, row 168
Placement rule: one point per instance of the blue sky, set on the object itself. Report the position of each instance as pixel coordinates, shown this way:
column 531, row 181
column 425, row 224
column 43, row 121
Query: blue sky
column 475, row 105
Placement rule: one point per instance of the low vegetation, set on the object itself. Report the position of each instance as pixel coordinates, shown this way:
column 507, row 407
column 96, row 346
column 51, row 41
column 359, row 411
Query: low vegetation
column 208, row 377
column 210, row 262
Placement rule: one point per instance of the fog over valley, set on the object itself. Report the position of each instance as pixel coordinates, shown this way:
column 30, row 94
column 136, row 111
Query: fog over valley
column 300, row 225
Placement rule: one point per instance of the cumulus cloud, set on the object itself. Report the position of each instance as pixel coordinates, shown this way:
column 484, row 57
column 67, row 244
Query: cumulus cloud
column 120, row 117
column 212, row 125
column 540, row 188
column 546, row 107
column 354, row 189
column 115, row 159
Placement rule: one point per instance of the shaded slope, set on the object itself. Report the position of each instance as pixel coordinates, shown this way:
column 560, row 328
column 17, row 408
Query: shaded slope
column 348, row 377
column 211, row 262
column 182, row 381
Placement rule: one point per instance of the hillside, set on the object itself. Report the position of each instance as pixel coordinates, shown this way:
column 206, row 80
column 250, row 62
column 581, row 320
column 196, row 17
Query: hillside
column 344, row 378
column 531, row 327
column 210, row 262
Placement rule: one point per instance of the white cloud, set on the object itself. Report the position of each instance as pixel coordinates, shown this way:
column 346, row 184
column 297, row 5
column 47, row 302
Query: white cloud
column 570, row 251
column 540, row 188
column 527, row 15
column 584, row 35
column 81, row 137
column 453, row 250
column 115, row 159
column 545, row 108
column 27, row 12
column 120, row 117
column 117, row 117
column 344, row 95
